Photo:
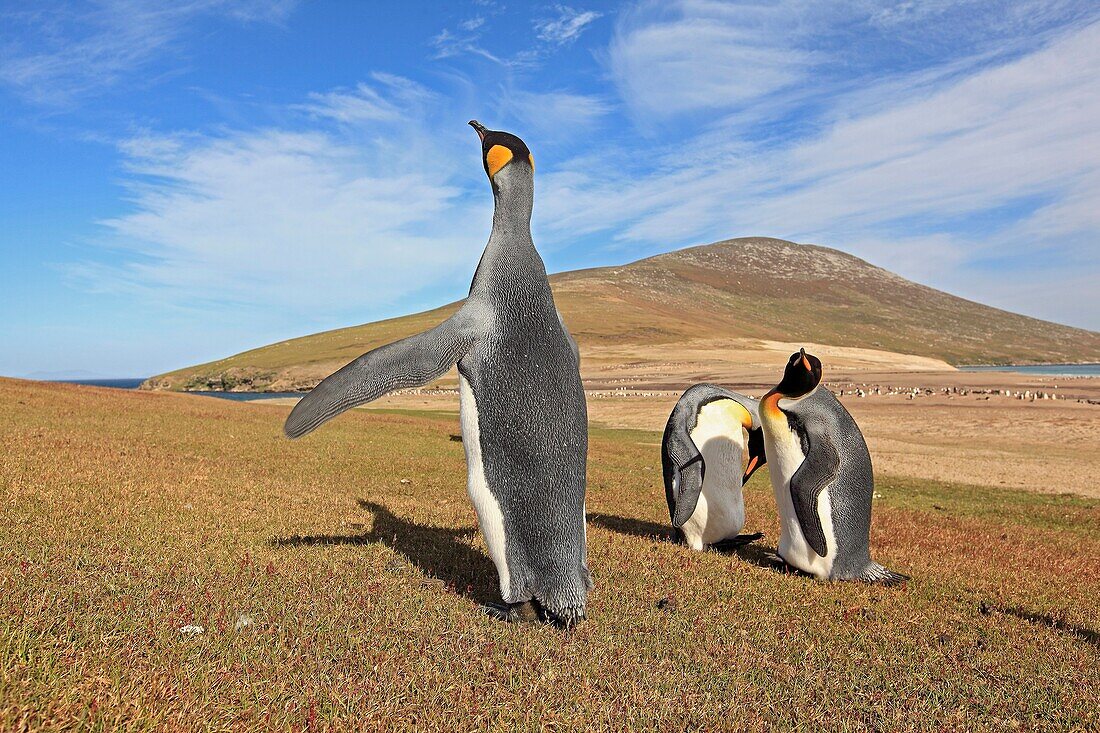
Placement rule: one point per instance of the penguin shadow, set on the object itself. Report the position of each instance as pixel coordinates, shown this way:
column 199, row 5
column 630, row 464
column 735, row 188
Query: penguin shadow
column 743, row 546
column 1087, row 635
column 437, row 552
column 634, row 527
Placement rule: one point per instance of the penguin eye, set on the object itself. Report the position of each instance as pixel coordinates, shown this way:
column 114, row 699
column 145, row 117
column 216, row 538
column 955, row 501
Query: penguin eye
column 497, row 157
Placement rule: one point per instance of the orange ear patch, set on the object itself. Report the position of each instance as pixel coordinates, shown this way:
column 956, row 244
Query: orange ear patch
column 497, row 157
column 531, row 160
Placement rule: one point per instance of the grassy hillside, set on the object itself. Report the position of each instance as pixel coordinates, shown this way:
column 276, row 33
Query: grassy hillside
column 336, row 581
column 755, row 288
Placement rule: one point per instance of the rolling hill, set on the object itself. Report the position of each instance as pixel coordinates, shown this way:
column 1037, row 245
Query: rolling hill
column 664, row 316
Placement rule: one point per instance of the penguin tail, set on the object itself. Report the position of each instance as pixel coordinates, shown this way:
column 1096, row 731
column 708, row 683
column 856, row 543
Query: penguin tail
column 875, row 573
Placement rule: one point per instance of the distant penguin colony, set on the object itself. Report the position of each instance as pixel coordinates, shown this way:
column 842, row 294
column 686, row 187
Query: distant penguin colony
column 525, row 430
column 523, row 414
column 712, row 444
column 821, row 472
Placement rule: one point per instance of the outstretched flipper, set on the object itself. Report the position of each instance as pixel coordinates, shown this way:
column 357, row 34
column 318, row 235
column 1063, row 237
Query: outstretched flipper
column 817, row 471
column 410, row 362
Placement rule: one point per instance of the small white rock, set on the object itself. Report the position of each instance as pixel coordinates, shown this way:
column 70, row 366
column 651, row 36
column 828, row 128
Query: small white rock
column 191, row 630
column 243, row 622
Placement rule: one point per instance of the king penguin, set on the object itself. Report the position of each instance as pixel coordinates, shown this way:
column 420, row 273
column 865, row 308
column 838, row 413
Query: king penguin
column 712, row 444
column 821, row 474
column 523, row 414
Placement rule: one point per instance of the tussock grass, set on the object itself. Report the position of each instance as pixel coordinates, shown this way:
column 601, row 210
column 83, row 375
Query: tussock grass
column 336, row 580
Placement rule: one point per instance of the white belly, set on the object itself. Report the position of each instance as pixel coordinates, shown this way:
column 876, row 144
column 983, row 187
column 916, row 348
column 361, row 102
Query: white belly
column 486, row 505
column 784, row 452
column 720, row 513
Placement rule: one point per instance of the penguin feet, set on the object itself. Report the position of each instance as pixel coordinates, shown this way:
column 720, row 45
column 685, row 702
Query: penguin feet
column 739, row 541
column 512, row 613
column 532, row 612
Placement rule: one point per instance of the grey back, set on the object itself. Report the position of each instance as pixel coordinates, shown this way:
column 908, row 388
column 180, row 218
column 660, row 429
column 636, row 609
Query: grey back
column 829, row 434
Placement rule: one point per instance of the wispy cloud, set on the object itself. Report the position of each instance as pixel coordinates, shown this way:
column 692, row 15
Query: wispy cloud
column 366, row 103
column 306, row 218
column 467, row 38
column 670, row 58
column 58, row 51
column 555, row 115
column 566, row 26
column 676, row 57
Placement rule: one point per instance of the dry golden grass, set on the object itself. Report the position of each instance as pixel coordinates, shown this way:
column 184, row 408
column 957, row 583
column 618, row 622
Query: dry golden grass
column 354, row 556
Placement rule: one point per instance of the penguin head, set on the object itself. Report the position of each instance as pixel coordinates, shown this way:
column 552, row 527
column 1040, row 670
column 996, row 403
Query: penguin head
column 502, row 150
column 801, row 376
column 757, row 455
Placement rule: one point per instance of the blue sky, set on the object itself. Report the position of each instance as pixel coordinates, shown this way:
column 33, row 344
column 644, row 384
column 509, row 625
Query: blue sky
column 181, row 181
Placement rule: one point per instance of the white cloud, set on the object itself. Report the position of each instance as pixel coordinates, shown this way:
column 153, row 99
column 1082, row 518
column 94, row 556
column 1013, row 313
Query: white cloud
column 449, row 44
column 59, row 51
column 566, row 27
column 365, row 103
column 557, row 114
column 320, row 220
column 670, row 58
column 674, row 57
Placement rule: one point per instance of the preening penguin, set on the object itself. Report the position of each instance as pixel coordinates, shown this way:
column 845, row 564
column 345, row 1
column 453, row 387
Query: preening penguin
column 712, row 444
column 821, row 473
column 524, row 421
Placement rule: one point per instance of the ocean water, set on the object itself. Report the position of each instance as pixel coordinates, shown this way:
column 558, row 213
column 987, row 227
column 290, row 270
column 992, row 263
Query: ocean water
column 249, row 396
column 135, row 383
column 1057, row 370
column 113, row 383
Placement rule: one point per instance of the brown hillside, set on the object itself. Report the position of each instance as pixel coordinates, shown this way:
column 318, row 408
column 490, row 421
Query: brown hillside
column 727, row 299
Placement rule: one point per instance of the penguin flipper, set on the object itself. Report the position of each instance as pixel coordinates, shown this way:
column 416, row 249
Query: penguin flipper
column 410, row 362
column 818, row 470
column 687, row 485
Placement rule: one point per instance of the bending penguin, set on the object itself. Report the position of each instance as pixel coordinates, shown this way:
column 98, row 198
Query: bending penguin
column 712, row 444
column 821, row 473
column 524, row 421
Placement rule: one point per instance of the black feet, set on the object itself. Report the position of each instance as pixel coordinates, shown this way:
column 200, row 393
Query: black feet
column 530, row 612
column 739, row 541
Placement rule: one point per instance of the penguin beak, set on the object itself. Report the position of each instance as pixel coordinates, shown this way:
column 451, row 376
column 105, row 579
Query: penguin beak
column 478, row 128
column 750, row 468
column 805, row 361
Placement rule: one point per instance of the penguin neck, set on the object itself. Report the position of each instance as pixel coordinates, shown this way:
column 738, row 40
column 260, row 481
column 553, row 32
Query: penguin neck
column 512, row 215
column 510, row 253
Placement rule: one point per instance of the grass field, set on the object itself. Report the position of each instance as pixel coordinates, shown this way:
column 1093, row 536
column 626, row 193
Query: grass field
column 336, row 580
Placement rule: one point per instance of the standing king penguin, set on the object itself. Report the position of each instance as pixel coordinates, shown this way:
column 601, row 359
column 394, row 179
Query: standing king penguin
column 524, row 421
column 821, row 474
column 712, row 444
